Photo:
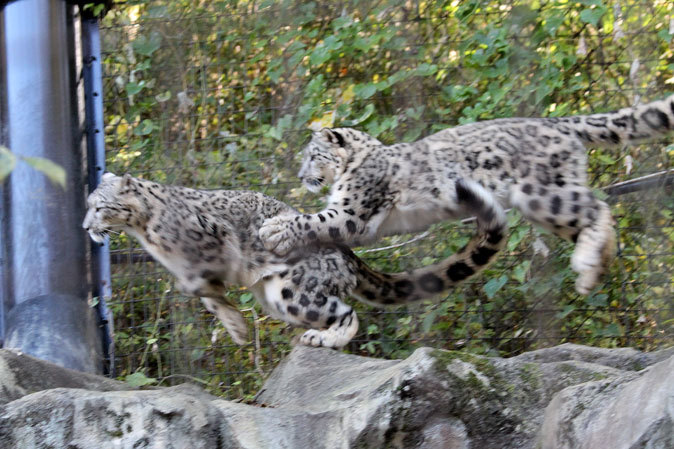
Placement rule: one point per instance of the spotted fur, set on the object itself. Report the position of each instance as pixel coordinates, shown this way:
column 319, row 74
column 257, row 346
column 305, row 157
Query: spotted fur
column 537, row 165
column 209, row 239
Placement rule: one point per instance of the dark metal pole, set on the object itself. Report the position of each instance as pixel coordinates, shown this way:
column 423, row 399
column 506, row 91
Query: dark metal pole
column 93, row 94
column 4, row 281
column 46, row 267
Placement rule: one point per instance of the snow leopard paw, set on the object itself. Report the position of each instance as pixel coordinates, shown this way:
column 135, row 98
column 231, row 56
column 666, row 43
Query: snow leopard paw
column 278, row 235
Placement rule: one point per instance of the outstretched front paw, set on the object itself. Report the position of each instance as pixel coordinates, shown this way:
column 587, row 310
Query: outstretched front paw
column 278, row 234
column 319, row 339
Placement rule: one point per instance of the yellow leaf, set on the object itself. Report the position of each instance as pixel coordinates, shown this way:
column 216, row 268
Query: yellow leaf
column 7, row 162
column 325, row 121
column 51, row 170
column 348, row 94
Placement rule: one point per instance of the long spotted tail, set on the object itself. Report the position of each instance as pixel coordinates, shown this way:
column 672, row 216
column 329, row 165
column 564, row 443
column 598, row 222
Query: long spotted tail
column 423, row 283
column 624, row 126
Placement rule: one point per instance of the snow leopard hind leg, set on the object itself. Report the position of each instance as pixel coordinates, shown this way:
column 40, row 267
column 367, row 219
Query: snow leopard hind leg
column 573, row 213
column 308, row 294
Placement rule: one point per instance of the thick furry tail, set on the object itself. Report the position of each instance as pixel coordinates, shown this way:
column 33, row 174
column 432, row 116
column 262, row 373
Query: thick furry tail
column 622, row 127
column 423, row 283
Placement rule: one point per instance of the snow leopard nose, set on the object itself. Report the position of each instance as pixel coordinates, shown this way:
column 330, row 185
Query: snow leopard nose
column 86, row 224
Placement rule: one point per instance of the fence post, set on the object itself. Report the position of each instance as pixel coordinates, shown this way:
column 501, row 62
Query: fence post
column 45, row 265
column 100, row 253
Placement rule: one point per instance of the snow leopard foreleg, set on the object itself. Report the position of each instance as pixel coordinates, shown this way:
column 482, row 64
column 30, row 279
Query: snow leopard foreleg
column 336, row 336
column 345, row 220
column 230, row 316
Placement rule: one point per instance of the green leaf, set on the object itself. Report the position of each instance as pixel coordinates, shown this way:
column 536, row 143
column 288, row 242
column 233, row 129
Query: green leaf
column 341, row 22
column 320, row 54
column 363, row 43
column 413, row 134
column 161, row 98
column 51, row 170
column 516, row 236
column 365, row 91
column 521, row 270
column 147, row 45
column 612, row 330
column 134, row 88
column 600, row 194
column 282, row 125
column 665, row 35
column 592, row 15
column 275, row 74
column 157, row 12
column 369, row 109
column 245, row 297
column 605, row 159
column 598, row 300
column 414, row 113
column 428, row 321
column 151, row 341
column 332, row 43
column 197, row 354
column 494, row 285
column 426, row 69
column 7, row 162
column 144, row 128
column 139, row 380
column 567, row 309
column 96, row 8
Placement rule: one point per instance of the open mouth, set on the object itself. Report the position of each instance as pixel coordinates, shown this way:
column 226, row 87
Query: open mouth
column 313, row 184
column 98, row 237
column 317, row 182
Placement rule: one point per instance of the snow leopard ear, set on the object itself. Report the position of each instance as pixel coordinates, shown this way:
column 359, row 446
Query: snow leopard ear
column 333, row 136
column 108, row 176
column 127, row 180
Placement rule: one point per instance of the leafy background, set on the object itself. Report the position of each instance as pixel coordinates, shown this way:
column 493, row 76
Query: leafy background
column 223, row 94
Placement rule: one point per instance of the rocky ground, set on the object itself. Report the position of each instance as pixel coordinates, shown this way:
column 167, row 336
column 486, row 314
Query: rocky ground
column 567, row 396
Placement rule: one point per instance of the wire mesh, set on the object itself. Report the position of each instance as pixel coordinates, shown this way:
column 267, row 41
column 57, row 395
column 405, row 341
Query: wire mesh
column 222, row 95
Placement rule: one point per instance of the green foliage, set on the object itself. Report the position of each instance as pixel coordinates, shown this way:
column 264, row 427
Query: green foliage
column 139, row 380
column 7, row 162
column 222, row 94
column 54, row 172
column 95, row 8
column 51, row 170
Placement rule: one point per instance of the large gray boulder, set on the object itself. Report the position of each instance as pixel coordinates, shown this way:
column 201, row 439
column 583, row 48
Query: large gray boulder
column 75, row 418
column 617, row 413
column 568, row 396
column 21, row 375
column 438, row 399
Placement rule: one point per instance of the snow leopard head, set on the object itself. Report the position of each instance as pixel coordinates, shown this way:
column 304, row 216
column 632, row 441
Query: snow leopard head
column 113, row 205
column 327, row 153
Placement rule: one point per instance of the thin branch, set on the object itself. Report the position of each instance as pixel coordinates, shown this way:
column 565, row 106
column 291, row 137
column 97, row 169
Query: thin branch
column 258, row 346
column 185, row 376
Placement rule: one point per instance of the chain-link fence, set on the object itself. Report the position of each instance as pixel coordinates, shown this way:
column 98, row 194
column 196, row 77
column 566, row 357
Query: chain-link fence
column 222, row 95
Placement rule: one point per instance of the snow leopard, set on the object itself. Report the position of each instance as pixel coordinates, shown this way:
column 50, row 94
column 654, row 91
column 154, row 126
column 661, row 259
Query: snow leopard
column 536, row 165
column 208, row 239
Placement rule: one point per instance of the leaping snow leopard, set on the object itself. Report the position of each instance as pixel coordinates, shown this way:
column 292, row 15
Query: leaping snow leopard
column 537, row 165
column 209, row 239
